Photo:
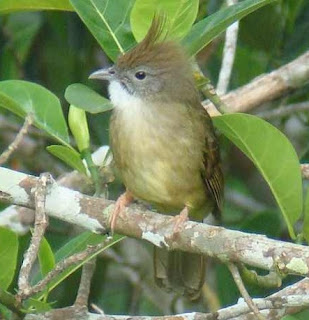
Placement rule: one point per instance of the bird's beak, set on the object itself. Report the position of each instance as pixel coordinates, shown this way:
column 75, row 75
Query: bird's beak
column 103, row 74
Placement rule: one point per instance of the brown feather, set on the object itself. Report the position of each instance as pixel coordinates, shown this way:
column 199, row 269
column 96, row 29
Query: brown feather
column 153, row 50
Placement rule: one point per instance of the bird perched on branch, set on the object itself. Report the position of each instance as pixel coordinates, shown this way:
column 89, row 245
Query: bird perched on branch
column 164, row 146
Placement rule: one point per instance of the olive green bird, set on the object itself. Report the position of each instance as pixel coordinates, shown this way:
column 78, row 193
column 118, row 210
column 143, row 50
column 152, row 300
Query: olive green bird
column 164, row 146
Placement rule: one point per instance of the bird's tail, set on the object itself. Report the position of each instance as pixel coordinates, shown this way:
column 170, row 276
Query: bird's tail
column 179, row 271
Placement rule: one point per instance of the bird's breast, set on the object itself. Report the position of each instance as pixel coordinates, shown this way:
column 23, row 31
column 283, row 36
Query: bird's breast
column 157, row 152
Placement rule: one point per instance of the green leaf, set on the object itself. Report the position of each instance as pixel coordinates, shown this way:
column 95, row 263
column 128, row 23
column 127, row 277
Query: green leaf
column 207, row 29
column 75, row 245
column 8, row 6
column 180, row 16
column 8, row 254
column 274, row 156
column 68, row 155
column 87, row 99
column 306, row 217
column 22, row 98
column 303, row 315
column 108, row 21
column 46, row 257
column 38, row 306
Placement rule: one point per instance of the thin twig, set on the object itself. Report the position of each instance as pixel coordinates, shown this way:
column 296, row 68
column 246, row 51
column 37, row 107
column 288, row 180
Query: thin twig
column 228, row 55
column 243, row 291
column 14, row 145
column 97, row 309
column 85, row 284
column 40, row 225
column 208, row 90
column 285, row 110
column 66, row 263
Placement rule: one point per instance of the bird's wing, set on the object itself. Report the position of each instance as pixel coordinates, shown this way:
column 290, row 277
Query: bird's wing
column 212, row 173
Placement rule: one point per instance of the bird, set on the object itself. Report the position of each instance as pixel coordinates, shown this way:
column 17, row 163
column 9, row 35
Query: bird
column 164, row 146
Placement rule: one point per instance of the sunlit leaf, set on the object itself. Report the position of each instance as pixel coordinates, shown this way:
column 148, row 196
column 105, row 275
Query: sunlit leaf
column 274, row 156
column 8, row 6
column 207, row 29
column 68, row 155
column 108, row 21
column 22, row 98
column 87, row 99
column 8, row 256
column 180, row 16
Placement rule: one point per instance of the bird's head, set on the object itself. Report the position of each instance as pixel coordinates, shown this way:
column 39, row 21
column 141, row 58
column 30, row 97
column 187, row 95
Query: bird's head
column 154, row 69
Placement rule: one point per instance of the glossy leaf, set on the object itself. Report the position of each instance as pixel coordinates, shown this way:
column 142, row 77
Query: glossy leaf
column 209, row 28
column 8, row 254
column 180, row 16
column 108, row 21
column 9, row 6
column 306, row 217
column 274, row 156
column 22, row 98
column 46, row 257
column 87, row 99
column 68, row 155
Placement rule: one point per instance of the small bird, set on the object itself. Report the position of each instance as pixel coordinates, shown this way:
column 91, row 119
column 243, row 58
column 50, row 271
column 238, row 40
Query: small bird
column 164, row 146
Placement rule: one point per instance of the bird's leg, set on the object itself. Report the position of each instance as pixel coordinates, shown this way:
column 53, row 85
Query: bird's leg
column 124, row 200
column 180, row 219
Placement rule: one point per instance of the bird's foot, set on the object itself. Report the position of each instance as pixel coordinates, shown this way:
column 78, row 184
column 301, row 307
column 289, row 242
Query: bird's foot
column 180, row 219
column 124, row 200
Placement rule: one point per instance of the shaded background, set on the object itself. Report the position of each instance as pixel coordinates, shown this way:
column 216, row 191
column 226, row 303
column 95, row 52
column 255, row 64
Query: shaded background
column 55, row 50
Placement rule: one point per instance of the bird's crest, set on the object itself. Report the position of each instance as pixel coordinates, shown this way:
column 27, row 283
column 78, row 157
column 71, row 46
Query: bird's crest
column 153, row 50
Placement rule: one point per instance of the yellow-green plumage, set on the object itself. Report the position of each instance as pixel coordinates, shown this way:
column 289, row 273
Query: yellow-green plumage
column 164, row 145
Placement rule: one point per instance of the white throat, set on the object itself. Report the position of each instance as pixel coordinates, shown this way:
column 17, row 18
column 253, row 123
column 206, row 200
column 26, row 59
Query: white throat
column 122, row 99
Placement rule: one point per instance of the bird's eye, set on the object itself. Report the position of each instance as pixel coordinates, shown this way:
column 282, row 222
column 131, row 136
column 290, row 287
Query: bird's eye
column 140, row 75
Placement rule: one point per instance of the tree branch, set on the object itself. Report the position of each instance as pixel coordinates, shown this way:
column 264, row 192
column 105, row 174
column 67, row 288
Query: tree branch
column 93, row 214
column 266, row 87
column 40, row 225
column 289, row 300
column 228, row 55
column 19, row 137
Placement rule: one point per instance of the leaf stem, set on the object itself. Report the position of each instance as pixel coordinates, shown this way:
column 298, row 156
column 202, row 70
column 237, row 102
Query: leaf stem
column 93, row 169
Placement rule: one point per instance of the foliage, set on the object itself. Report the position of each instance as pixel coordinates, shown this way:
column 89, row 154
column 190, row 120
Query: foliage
column 54, row 50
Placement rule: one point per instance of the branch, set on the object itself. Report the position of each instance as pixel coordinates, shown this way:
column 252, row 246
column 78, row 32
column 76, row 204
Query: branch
column 40, row 226
column 85, row 284
column 243, row 291
column 289, row 300
column 285, row 111
column 93, row 214
column 266, row 87
column 228, row 55
column 19, row 137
